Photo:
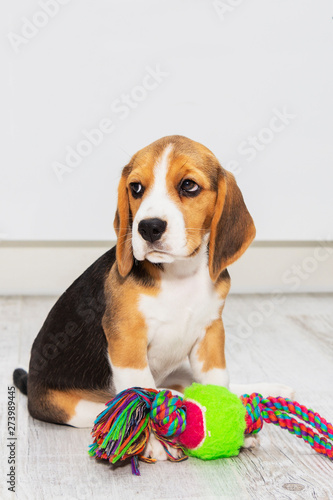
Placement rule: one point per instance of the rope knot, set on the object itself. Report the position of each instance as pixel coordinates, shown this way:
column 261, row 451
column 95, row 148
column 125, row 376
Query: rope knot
column 253, row 418
column 168, row 415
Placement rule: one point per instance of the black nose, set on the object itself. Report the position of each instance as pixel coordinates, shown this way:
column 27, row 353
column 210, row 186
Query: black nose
column 152, row 229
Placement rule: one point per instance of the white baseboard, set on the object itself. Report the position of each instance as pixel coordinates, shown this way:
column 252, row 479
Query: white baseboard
column 48, row 268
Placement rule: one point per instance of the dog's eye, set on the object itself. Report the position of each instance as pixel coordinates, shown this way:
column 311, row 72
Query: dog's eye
column 137, row 189
column 189, row 188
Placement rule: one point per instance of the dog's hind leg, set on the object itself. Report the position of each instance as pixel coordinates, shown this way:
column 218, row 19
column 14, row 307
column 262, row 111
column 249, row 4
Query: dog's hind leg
column 85, row 413
column 76, row 408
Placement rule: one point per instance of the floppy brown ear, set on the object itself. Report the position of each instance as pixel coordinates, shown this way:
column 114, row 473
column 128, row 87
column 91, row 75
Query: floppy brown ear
column 123, row 228
column 232, row 228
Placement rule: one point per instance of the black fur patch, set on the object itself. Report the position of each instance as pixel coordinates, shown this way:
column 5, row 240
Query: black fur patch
column 70, row 351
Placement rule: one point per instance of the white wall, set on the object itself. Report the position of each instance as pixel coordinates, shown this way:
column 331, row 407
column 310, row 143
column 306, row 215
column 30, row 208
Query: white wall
column 227, row 72
column 48, row 268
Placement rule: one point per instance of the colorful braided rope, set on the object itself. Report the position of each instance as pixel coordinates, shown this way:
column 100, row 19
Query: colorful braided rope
column 168, row 415
column 279, row 410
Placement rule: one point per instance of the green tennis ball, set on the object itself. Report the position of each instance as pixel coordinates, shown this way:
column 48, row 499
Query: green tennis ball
column 224, row 421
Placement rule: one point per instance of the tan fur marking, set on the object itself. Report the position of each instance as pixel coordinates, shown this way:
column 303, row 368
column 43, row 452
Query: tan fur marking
column 122, row 226
column 124, row 325
column 177, row 387
column 211, row 348
column 65, row 401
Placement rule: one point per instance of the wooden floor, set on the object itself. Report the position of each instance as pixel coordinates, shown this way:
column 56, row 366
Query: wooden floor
column 291, row 343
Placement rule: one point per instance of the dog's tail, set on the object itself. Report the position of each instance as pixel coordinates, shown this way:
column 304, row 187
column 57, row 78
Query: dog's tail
column 20, row 379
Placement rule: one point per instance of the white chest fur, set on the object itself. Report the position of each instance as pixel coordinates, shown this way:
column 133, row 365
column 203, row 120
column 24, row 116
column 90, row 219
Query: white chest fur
column 178, row 315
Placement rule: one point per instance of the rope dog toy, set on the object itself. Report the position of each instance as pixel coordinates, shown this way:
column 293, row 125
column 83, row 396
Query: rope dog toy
column 209, row 422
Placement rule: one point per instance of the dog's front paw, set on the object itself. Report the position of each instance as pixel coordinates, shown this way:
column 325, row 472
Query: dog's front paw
column 251, row 441
column 154, row 449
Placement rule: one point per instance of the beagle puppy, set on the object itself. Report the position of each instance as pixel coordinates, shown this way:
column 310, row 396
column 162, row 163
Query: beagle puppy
column 153, row 301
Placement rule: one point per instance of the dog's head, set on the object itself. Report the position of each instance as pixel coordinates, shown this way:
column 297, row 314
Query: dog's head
column 174, row 197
